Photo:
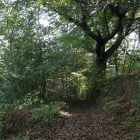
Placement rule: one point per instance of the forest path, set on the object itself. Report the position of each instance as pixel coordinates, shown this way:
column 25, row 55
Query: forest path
column 81, row 122
column 85, row 123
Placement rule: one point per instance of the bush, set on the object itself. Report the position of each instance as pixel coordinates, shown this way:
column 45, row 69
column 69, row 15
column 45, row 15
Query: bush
column 30, row 100
column 46, row 115
column 12, row 121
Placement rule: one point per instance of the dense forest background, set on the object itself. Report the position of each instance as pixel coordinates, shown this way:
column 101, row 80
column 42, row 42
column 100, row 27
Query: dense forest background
column 83, row 51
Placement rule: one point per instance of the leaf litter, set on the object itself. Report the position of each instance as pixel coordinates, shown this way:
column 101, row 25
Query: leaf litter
column 79, row 123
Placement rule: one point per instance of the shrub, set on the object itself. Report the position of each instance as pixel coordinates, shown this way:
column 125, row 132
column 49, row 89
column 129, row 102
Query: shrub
column 13, row 120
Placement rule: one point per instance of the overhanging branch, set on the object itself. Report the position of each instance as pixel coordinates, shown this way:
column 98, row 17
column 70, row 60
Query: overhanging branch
column 81, row 24
column 119, row 39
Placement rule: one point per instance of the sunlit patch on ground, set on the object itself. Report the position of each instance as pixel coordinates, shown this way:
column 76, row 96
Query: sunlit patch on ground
column 67, row 114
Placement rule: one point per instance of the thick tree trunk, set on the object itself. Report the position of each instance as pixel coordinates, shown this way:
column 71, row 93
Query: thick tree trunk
column 99, row 77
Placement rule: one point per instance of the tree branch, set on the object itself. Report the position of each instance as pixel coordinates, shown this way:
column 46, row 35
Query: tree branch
column 106, row 22
column 115, row 10
column 114, row 32
column 85, row 27
column 119, row 39
column 81, row 24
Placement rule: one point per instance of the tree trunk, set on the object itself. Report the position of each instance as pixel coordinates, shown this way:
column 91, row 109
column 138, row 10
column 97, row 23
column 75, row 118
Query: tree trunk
column 99, row 76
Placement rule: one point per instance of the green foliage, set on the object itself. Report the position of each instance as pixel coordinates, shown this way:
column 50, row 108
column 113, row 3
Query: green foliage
column 114, row 107
column 137, row 101
column 14, row 120
column 4, row 106
column 3, row 99
column 128, row 127
column 40, row 64
column 80, row 81
column 28, row 101
column 32, row 63
column 42, row 59
column 96, row 79
column 137, row 135
column 46, row 114
column 1, row 126
column 21, row 138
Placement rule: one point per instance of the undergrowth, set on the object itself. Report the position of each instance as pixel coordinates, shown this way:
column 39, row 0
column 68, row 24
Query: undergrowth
column 26, row 114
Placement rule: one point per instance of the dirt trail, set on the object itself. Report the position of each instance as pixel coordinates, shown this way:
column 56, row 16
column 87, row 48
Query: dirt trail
column 88, row 123
column 79, row 123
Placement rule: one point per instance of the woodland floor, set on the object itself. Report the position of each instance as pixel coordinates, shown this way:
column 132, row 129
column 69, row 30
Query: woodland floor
column 80, row 123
